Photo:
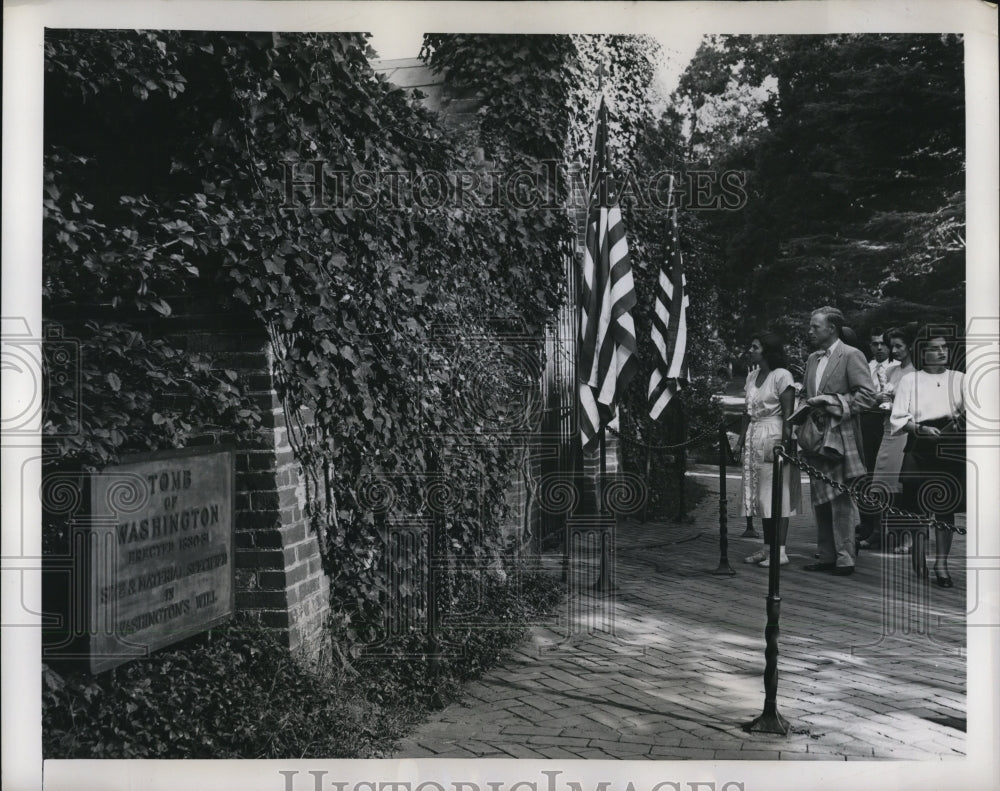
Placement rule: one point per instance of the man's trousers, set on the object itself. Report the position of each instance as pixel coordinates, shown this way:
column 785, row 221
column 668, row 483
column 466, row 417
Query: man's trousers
column 835, row 521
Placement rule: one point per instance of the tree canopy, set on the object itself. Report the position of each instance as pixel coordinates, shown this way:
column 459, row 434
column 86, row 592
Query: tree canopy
column 854, row 152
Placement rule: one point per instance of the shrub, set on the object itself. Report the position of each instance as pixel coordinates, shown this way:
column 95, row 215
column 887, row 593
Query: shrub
column 235, row 692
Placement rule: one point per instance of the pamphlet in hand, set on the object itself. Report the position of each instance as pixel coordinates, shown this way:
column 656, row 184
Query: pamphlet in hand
column 798, row 417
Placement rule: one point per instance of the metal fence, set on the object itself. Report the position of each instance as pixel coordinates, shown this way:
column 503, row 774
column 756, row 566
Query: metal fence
column 558, row 449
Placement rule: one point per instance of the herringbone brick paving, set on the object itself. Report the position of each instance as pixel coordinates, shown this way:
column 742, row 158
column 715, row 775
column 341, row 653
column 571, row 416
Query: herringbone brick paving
column 670, row 666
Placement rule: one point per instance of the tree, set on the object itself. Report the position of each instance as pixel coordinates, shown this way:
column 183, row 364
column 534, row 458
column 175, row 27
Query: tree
column 853, row 147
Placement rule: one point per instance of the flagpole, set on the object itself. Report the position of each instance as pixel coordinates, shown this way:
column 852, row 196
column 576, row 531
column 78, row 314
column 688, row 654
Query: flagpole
column 598, row 151
column 601, row 182
column 604, row 472
column 607, row 331
column 604, row 582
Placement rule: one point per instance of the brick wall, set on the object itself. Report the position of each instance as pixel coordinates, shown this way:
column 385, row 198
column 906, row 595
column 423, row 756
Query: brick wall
column 518, row 527
column 280, row 581
column 458, row 110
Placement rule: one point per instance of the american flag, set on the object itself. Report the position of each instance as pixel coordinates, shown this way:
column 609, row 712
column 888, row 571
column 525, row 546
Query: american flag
column 669, row 327
column 607, row 333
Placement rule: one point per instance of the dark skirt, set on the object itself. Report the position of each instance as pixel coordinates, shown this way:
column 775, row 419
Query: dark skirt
column 933, row 472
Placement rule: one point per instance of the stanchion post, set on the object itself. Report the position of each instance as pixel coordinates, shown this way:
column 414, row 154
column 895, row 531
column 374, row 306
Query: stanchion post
column 681, row 462
column 724, row 568
column 604, row 470
column 604, row 583
column 770, row 721
column 566, row 548
column 681, row 471
column 749, row 532
column 605, row 579
column 645, row 502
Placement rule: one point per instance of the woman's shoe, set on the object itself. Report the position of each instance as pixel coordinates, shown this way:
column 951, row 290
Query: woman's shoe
column 943, row 580
column 782, row 560
column 757, row 557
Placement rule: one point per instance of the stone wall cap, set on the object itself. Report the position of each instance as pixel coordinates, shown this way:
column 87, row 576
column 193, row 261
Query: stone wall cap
column 408, row 72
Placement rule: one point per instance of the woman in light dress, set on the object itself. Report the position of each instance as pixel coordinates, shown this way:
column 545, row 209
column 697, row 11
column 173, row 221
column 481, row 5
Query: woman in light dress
column 885, row 479
column 929, row 409
column 770, row 399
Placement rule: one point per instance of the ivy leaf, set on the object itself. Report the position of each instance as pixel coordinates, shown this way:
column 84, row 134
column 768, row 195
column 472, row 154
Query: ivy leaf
column 161, row 307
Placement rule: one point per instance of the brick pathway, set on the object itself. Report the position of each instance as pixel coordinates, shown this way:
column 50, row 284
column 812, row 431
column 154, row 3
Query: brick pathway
column 671, row 665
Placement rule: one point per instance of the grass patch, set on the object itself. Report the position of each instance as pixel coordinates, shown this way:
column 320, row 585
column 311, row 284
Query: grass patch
column 237, row 693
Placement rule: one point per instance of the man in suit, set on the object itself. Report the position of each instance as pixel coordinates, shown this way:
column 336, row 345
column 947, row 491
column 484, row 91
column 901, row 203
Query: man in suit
column 880, row 363
column 838, row 382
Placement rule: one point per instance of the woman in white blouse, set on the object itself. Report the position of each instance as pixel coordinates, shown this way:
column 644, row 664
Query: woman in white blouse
column 929, row 406
column 770, row 399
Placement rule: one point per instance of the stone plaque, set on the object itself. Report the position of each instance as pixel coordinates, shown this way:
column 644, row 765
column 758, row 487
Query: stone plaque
column 161, row 552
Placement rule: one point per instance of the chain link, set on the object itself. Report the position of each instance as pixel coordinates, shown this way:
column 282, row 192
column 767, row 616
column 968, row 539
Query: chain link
column 709, row 432
column 860, row 497
column 866, row 499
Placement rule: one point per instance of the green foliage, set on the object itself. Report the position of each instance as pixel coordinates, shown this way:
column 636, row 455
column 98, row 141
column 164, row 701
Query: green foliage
column 136, row 392
column 623, row 68
column 114, row 62
column 116, row 260
column 521, row 83
column 544, row 105
column 166, row 163
column 854, row 150
column 236, row 693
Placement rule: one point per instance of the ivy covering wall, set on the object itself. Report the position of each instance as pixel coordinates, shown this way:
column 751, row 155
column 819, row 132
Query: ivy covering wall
column 166, row 163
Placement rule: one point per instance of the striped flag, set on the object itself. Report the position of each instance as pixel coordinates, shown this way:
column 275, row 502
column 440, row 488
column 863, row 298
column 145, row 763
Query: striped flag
column 607, row 333
column 669, row 327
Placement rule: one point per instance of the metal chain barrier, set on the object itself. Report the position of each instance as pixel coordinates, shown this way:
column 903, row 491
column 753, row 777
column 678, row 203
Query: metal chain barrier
column 709, row 432
column 866, row 499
